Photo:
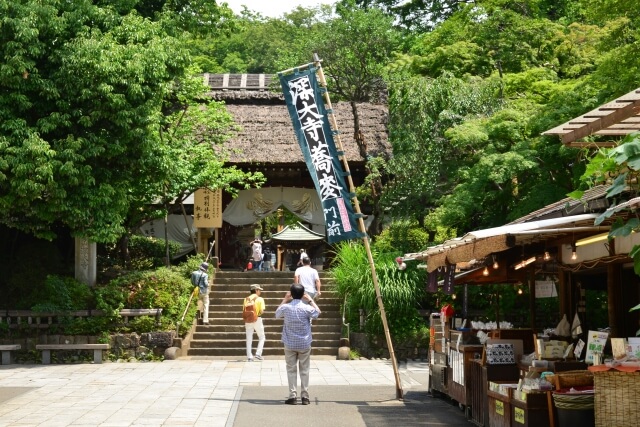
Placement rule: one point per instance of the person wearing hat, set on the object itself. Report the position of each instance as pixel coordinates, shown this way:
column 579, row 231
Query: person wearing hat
column 200, row 278
column 257, row 326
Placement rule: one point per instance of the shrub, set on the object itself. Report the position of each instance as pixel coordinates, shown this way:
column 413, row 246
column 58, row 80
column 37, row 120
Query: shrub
column 62, row 294
column 145, row 253
column 401, row 291
column 403, row 237
column 165, row 288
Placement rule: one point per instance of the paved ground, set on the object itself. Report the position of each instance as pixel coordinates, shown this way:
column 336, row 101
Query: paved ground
column 213, row 392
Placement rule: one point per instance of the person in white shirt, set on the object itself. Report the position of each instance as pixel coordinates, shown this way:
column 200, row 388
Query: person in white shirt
column 256, row 254
column 308, row 277
column 303, row 255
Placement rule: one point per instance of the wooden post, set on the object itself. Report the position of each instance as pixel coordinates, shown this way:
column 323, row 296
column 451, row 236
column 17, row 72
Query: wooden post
column 365, row 239
column 216, row 234
column 614, row 303
column 532, row 298
column 186, row 224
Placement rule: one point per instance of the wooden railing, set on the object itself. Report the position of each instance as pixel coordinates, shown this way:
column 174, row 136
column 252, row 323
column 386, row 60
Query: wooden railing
column 37, row 319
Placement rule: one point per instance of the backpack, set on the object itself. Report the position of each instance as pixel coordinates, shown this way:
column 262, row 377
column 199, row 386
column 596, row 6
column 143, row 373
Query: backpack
column 249, row 314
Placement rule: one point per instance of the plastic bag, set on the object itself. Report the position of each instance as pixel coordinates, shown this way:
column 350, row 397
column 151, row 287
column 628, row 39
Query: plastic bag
column 564, row 328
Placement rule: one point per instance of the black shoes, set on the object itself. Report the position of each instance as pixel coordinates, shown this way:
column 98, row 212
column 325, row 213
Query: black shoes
column 293, row 401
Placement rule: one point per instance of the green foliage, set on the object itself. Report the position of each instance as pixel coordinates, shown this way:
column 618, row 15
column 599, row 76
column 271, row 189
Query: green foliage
column 354, row 354
column 99, row 117
column 162, row 288
column 62, row 294
column 622, row 164
column 144, row 252
column 401, row 236
column 425, row 165
column 400, row 291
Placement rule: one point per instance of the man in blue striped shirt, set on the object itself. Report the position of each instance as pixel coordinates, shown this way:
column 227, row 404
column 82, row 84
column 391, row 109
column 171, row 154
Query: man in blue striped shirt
column 296, row 337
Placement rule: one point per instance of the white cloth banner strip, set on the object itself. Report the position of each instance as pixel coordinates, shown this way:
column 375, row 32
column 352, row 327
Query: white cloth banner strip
column 251, row 205
column 177, row 230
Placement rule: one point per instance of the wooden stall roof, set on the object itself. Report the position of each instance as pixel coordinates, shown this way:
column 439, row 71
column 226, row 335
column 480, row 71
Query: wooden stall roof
column 267, row 136
column 565, row 217
column 619, row 117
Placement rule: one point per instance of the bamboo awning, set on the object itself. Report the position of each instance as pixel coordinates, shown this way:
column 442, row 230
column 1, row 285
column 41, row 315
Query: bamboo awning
column 482, row 243
column 619, row 117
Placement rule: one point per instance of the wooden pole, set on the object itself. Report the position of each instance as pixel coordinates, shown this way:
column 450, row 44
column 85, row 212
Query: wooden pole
column 186, row 223
column 365, row 239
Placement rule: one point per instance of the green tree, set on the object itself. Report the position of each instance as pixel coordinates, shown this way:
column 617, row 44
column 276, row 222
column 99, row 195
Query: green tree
column 425, row 165
column 84, row 96
column 355, row 47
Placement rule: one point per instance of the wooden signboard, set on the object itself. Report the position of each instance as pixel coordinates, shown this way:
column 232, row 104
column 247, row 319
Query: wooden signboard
column 207, row 208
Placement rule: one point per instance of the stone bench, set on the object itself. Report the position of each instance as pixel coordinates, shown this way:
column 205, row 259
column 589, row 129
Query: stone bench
column 6, row 352
column 46, row 350
column 135, row 312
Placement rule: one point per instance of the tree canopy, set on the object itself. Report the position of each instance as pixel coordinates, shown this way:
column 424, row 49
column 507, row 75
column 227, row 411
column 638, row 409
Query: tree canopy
column 88, row 96
column 97, row 106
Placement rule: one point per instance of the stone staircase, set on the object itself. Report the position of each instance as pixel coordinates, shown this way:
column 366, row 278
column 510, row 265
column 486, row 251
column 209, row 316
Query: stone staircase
column 225, row 334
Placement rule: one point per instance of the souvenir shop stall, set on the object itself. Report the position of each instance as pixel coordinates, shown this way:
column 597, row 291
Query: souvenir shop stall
column 575, row 374
column 505, row 376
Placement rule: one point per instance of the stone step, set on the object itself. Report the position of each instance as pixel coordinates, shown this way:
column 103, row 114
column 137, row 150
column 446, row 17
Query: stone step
column 267, row 285
column 271, row 340
column 249, row 280
column 238, row 275
column 225, row 334
column 267, row 292
column 268, row 321
column 232, row 299
column 213, row 329
column 236, row 311
column 240, row 352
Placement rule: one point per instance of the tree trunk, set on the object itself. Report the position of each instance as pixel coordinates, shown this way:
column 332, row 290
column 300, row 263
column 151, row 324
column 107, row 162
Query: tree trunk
column 123, row 245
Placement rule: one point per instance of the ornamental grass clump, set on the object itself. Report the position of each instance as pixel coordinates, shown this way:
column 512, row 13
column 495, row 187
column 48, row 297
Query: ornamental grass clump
column 401, row 291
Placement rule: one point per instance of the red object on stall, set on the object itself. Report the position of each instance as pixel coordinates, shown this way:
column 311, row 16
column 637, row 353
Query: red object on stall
column 447, row 310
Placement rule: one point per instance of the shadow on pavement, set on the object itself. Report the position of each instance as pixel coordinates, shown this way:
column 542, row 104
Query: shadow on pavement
column 348, row 406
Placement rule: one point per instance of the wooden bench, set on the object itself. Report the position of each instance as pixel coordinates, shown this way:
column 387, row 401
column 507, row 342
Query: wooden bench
column 46, row 350
column 6, row 352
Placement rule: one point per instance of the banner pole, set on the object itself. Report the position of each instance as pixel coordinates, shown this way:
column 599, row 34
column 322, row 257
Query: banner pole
column 365, row 239
column 291, row 70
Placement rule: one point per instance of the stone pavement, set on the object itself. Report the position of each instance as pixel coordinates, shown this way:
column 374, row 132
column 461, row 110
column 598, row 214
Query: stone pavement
column 219, row 393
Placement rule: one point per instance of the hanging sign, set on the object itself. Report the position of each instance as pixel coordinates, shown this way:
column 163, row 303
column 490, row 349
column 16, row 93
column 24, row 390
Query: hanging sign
column 315, row 137
column 207, row 208
column 546, row 289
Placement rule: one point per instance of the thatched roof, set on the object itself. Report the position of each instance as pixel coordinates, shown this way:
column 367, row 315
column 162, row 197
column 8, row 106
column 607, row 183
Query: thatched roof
column 267, row 134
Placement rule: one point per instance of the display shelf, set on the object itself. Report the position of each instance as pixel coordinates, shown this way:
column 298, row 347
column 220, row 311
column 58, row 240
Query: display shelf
column 530, row 409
